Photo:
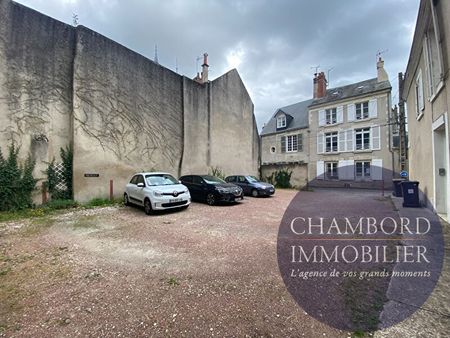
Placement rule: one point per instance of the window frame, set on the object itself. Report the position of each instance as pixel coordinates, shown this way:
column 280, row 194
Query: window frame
column 363, row 175
column 281, row 121
column 363, row 132
column 334, row 170
column 331, row 136
column 363, row 110
column 290, row 143
column 331, row 116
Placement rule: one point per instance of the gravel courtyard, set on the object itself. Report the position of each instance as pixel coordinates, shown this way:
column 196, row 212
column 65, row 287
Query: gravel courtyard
column 205, row 271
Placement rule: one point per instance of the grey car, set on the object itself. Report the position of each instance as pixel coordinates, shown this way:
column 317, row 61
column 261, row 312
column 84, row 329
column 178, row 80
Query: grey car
column 251, row 185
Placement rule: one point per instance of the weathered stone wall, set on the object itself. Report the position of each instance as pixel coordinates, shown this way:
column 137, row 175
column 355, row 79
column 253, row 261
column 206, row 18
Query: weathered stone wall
column 127, row 115
column 36, row 55
column 121, row 112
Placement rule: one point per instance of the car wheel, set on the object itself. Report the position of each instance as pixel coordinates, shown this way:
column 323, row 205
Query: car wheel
column 148, row 206
column 255, row 193
column 211, row 199
column 125, row 199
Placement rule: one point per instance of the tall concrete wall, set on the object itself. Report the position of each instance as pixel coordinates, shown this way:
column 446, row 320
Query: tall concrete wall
column 127, row 115
column 121, row 112
column 36, row 55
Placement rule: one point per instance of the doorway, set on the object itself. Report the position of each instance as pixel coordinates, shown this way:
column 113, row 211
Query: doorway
column 441, row 158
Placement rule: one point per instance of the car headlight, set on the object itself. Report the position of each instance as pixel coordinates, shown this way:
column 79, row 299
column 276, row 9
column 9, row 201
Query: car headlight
column 263, row 187
column 157, row 193
column 220, row 189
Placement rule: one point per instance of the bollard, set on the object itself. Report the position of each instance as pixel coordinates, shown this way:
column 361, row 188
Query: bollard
column 44, row 193
column 111, row 190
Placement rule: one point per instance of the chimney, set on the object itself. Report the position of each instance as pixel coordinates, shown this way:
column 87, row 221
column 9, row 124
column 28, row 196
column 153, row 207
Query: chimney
column 205, row 68
column 320, row 85
column 381, row 73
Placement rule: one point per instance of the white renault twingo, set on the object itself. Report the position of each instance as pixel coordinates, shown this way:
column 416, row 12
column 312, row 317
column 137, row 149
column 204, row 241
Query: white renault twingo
column 156, row 191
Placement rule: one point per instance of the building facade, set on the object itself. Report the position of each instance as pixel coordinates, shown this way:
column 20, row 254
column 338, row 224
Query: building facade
column 121, row 112
column 346, row 136
column 427, row 96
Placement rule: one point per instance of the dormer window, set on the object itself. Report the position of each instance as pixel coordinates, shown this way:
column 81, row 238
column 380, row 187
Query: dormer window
column 281, row 121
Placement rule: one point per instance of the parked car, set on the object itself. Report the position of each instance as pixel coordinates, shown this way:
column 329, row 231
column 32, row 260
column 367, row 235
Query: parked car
column 251, row 185
column 156, row 191
column 211, row 189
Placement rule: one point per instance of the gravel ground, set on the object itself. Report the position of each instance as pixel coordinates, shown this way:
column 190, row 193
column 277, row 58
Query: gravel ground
column 205, row 271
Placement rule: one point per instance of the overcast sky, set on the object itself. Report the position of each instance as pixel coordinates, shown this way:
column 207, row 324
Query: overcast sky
column 274, row 44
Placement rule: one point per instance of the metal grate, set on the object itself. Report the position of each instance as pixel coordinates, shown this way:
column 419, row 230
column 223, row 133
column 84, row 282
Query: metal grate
column 59, row 171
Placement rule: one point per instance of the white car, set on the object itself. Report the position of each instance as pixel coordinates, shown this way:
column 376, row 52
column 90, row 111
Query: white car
column 156, row 191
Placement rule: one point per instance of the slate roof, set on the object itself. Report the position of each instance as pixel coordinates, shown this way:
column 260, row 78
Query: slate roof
column 299, row 112
column 354, row 89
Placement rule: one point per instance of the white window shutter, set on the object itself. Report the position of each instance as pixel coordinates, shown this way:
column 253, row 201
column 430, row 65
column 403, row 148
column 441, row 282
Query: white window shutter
column 349, row 140
column 377, row 169
column 351, row 169
column 320, row 170
column 420, row 90
column 373, row 108
column 427, row 61
column 322, row 118
column 341, row 141
column 376, row 137
column 340, row 114
column 342, row 170
column 320, row 143
column 351, row 112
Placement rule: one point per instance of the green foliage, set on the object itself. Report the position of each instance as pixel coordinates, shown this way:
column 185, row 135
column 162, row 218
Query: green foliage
column 53, row 179
column 217, row 172
column 280, row 178
column 16, row 181
column 61, row 204
column 101, row 202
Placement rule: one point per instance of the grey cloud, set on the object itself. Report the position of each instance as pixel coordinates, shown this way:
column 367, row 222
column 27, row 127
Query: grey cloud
column 279, row 41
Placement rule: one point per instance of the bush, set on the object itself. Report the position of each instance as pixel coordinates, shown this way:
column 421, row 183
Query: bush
column 280, row 178
column 61, row 204
column 16, row 181
column 217, row 172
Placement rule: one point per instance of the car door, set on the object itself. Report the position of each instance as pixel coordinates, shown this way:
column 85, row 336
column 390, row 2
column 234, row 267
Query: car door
column 140, row 191
column 187, row 181
column 243, row 183
column 131, row 188
column 200, row 187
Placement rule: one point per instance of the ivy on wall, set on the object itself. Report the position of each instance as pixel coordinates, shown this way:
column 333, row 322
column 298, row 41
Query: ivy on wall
column 280, row 178
column 16, row 181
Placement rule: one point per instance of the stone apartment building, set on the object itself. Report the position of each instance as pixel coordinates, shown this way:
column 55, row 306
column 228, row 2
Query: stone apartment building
column 427, row 96
column 344, row 132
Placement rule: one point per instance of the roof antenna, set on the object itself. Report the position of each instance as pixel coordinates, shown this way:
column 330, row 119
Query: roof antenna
column 156, row 54
column 380, row 52
column 328, row 75
column 316, row 67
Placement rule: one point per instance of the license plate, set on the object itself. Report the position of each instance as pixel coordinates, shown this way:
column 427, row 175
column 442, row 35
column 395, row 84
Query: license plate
column 174, row 200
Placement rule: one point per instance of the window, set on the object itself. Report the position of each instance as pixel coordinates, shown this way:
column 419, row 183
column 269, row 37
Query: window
column 362, row 169
column 292, row 144
column 331, row 170
column 197, row 180
column 134, row 179
column 281, row 121
column 362, row 139
column 420, row 104
column 140, row 179
column 432, row 55
column 300, row 142
column 331, row 116
column 241, row 179
column 362, row 110
column 331, row 142
column 273, row 150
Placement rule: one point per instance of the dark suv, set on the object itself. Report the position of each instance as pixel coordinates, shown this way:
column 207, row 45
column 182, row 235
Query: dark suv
column 251, row 185
column 211, row 189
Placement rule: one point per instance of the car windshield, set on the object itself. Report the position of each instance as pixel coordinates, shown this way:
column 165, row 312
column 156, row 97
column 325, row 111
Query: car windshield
column 160, row 179
column 213, row 180
column 252, row 179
